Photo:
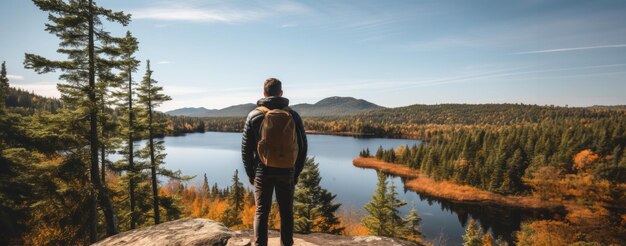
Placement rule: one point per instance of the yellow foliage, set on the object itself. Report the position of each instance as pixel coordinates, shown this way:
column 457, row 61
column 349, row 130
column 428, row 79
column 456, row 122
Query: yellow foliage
column 247, row 216
column 546, row 232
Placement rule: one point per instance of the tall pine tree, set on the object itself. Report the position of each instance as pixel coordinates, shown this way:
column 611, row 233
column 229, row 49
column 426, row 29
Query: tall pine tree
column 151, row 96
column 126, row 96
column 78, row 25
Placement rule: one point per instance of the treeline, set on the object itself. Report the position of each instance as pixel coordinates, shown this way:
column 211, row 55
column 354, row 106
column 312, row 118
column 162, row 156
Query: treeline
column 498, row 158
column 178, row 125
column 425, row 121
column 26, row 103
column 57, row 183
column 580, row 162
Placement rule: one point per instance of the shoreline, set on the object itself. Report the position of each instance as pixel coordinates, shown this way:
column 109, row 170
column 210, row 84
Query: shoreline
column 421, row 183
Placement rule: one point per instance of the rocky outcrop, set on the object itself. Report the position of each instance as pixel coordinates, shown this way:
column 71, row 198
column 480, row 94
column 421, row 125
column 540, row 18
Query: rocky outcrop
column 178, row 232
column 242, row 238
column 207, row 232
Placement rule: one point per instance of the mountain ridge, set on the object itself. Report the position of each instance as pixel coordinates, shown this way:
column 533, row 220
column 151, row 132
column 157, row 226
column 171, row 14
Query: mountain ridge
column 330, row 106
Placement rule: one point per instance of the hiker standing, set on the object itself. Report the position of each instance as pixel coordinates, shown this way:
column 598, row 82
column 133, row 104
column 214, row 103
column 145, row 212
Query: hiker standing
column 273, row 150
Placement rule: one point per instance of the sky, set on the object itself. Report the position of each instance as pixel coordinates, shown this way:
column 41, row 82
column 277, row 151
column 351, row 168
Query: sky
column 215, row 54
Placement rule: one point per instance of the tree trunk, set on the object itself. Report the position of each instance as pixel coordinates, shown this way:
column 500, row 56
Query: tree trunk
column 153, row 165
column 131, row 164
column 103, row 195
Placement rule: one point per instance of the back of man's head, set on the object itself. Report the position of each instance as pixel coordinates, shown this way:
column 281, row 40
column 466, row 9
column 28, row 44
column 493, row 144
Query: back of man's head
column 272, row 88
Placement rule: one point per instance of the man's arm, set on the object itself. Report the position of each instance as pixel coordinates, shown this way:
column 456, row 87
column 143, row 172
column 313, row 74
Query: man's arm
column 248, row 142
column 302, row 144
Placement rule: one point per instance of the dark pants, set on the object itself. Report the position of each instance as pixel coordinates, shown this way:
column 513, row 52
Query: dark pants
column 263, row 189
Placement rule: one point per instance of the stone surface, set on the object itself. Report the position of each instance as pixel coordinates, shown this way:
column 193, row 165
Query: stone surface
column 186, row 231
column 207, row 232
column 313, row 239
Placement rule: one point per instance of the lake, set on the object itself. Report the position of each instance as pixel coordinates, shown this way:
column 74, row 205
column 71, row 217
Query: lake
column 218, row 154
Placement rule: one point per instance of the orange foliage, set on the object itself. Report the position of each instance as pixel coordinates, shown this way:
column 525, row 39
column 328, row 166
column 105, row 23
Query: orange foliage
column 584, row 159
column 197, row 205
column 547, row 232
column 247, row 216
column 422, row 183
column 351, row 220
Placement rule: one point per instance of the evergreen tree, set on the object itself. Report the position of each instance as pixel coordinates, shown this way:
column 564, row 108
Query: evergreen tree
column 473, row 234
column 106, row 79
column 232, row 215
column 150, row 97
column 126, row 98
column 206, row 191
column 393, row 205
column 378, row 220
column 314, row 210
column 413, row 221
column 4, row 85
column 78, row 25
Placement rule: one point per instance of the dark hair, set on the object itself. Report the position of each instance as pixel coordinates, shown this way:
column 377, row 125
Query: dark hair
column 272, row 87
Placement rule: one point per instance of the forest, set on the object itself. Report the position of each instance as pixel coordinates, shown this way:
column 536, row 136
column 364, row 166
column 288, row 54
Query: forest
column 574, row 158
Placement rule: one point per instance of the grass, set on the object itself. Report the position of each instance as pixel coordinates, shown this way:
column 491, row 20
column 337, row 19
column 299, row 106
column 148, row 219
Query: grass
column 421, row 183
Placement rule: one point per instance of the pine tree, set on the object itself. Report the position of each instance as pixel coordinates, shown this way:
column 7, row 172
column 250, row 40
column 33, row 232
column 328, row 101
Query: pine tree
column 473, row 234
column 232, row 215
column 129, row 64
column 413, row 220
column 314, row 210
column 4, row 85
column 206, row 191
column 393, row 205
column 377, row 222
column 151, row 96
column 106, row 79
column 78, row 25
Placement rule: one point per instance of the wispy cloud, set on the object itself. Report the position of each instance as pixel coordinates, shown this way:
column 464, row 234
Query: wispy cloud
column 288, row 25
column 572, row 49
column 15, row 77
column 164, row 62
column 214, row 14
column 198, row 15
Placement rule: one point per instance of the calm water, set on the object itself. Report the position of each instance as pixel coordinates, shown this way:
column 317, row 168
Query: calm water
column 218, row 155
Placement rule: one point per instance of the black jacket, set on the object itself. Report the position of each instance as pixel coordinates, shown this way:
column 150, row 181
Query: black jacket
column 251, row 135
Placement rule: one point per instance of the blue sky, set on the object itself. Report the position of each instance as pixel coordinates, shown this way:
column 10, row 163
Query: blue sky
column 393, row 53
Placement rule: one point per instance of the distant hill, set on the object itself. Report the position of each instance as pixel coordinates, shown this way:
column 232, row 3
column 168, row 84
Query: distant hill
column 331, row 106
column 232, row 111
column 334, row 106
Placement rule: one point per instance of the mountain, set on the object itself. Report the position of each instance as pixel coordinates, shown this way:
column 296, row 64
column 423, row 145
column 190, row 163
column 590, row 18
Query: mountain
column 190, row 111
column 232, row 111
column 331, row 106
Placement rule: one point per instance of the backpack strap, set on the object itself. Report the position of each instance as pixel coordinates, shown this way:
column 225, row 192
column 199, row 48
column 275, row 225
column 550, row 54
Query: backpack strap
column 263, row 109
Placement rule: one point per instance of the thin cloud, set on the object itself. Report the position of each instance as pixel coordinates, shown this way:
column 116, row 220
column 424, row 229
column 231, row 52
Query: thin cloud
column 164, row 62
column 214, row 14
column 15, row 77
column 198, row 15
column 572, row 49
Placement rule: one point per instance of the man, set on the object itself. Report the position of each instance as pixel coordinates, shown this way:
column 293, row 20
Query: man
column 273, row 150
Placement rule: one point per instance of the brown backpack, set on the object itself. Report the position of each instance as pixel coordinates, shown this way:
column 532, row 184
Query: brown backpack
column 278, row 146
